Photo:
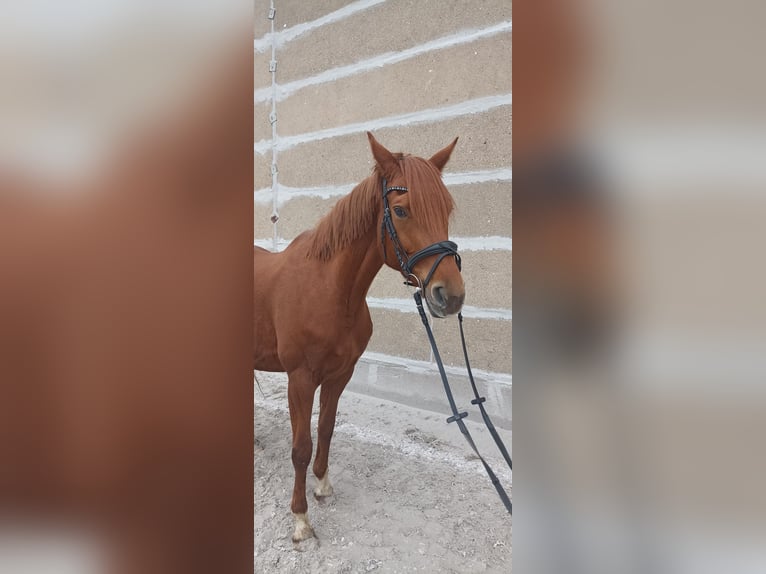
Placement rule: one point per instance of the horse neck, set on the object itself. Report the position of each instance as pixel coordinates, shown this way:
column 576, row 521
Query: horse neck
column 356, row 267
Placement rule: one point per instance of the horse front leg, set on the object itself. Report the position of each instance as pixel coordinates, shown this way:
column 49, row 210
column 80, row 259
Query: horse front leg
column 328, row 409
column 300, row 395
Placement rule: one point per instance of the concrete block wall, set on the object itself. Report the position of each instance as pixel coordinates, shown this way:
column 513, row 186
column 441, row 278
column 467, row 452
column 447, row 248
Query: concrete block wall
column 416, row 74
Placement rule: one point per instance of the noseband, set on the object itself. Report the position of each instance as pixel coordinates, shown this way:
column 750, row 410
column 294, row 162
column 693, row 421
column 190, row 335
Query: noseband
column 407, row 262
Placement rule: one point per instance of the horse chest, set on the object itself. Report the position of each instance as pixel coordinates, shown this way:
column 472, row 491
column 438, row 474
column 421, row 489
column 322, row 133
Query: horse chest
column 337, row 342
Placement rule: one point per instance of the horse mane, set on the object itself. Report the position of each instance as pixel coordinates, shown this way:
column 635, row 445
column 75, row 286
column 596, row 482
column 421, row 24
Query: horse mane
column 350, row 218
column 354, row 214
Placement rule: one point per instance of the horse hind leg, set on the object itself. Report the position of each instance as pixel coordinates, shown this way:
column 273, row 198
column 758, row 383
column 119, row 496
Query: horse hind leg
column 324, row 487
column 328, row 409
column 300, row 394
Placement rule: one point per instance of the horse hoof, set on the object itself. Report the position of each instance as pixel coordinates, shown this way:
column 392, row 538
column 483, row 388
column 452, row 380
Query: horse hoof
column 322, row 494
column 303, row 530
column 303, row 534
column 323, row 488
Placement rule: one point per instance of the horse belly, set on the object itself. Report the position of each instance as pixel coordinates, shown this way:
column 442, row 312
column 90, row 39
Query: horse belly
column 268, row 363
column 266, row 359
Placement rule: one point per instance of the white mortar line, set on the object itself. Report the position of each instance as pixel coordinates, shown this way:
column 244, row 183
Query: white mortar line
column 284, row 36
column 263, row 196
column 479, row 176
column 467, row 107
column 269, row 243
column 427, row 367
column 490, row 243
column 461, row 37
column 288, row 193
column 261, row 44
column 408, row 306
column 405, row 447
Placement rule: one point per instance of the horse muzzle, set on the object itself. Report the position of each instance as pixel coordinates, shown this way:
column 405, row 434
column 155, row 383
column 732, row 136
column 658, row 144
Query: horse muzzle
column 441, row 303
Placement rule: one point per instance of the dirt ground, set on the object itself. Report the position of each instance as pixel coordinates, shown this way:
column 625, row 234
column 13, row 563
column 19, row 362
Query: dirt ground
column 410, row 496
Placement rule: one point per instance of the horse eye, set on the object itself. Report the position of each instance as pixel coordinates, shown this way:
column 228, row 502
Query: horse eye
column 400, row 212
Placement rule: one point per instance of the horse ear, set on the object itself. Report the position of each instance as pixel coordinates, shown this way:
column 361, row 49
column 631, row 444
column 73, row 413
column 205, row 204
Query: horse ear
column 383, row 157
column 441, row 157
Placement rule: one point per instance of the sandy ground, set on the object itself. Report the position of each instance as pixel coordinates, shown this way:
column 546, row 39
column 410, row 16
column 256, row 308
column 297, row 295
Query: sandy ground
column 410, row 496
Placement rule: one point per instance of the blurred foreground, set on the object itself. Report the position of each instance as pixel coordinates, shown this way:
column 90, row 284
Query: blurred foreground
column 639, row 320
column 125, row 243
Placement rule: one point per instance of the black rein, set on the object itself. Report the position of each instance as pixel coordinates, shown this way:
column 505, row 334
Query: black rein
column 407, row 263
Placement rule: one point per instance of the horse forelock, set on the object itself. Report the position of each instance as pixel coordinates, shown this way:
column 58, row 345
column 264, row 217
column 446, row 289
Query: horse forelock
column 430, row 203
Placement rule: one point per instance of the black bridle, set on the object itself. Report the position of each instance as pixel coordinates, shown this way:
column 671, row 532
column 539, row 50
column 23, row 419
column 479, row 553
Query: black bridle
column 406, row 264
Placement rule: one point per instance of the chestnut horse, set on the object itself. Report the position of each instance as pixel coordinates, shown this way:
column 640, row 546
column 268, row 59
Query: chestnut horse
column 311, row 319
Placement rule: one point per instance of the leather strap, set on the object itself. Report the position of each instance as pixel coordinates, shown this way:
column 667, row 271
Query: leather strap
column 442, row 249
column 479, row 400
column 458, row 416
column 407, row 262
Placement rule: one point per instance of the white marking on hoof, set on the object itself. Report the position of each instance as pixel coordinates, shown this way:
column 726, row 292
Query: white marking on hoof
column 323, row 488
column 303, row 529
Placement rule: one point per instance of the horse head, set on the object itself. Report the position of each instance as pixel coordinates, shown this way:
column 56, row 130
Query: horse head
column 414, row 225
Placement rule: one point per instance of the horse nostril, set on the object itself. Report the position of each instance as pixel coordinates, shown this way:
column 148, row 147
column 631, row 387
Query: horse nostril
column 439, row 295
